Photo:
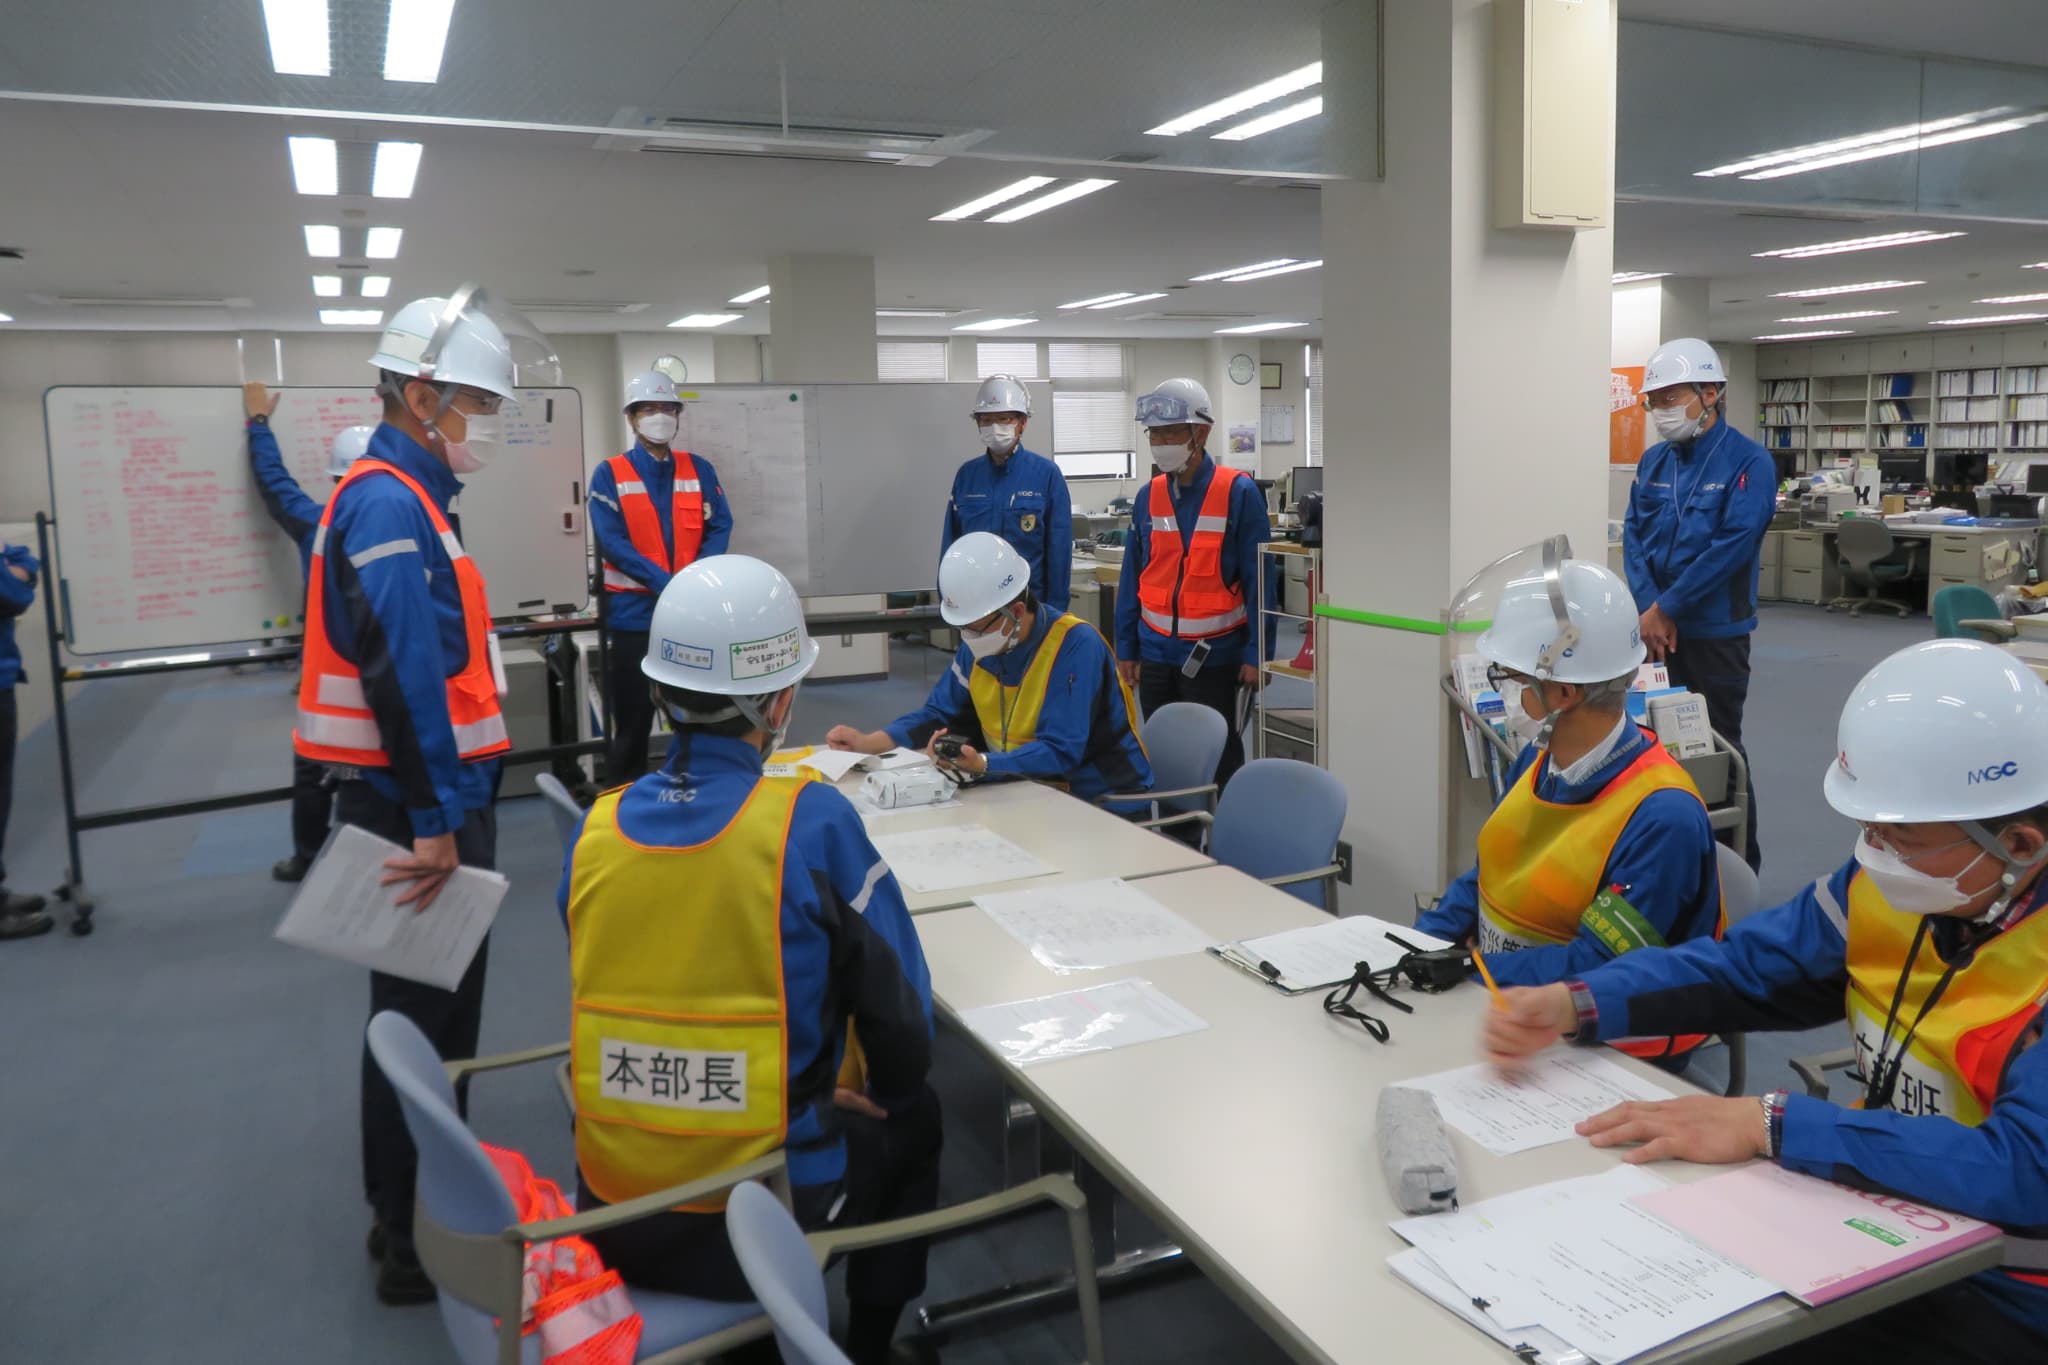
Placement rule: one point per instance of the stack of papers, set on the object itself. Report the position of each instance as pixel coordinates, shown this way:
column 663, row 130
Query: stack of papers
column 832, row 764
column 1082, row 926
column 1325, row 954
column 1117, row 1014
column 1543, row 1104
column 930, row 860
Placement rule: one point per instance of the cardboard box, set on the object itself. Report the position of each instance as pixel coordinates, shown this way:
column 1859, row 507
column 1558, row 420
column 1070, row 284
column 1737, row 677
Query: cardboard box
column 1679, row 720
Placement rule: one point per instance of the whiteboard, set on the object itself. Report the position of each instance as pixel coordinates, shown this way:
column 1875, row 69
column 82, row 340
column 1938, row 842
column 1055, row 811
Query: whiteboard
column 843, row 486
column 162, row 541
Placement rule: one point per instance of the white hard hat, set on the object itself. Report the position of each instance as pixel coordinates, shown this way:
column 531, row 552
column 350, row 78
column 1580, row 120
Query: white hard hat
column 1688, row 360
column 980, row 574
column 1175, row 402
column 1002, row 393
column 350, row 444
column 470, row 339
column 1942, row 730
column 650, row 387
column 729, row 625
column 1596, row 600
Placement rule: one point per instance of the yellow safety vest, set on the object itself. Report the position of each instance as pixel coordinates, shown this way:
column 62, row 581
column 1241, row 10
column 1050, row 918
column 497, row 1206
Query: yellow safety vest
column 1009, row 715
column 679, row 1044
column 1540, row 861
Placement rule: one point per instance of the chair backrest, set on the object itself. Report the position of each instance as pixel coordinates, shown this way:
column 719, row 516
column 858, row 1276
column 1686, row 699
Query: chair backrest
column 783, row 1274
column 568, row 816
column 1184, row 741
column 1280, row 816
column 1963, row 602
column 1741, row 897
column 1862, row 541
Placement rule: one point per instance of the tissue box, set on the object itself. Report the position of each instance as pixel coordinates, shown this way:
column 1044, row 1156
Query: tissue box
column 1679, row 721
column 1639, row 700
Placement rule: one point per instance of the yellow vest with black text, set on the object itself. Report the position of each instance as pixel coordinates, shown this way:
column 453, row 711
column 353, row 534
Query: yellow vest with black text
column 1963, row 1047
column 1009, row 715
column 679, row 1044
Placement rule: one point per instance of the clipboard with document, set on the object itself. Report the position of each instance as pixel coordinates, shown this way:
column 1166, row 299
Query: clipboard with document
column 1319, row 956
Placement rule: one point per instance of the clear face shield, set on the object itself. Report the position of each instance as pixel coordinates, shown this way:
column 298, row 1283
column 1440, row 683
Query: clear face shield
column 481, row 353
column 1525, row 646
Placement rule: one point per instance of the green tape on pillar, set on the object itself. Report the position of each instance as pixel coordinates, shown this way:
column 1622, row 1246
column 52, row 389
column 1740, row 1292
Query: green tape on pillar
column 1388, row 621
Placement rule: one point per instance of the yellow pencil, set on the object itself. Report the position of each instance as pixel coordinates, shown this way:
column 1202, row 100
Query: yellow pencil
column 1484, row 975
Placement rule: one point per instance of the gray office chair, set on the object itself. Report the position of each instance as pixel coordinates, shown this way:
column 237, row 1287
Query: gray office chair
column 1866, row 548
column 1741, row 897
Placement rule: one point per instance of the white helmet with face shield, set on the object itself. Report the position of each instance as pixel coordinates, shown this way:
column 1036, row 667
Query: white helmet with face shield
column 468, row 346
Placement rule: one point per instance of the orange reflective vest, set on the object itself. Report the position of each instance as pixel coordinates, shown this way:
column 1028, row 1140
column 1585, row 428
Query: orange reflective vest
column 580, row 1311
column 643, row 524
column 335, row 722
column 1185, row 595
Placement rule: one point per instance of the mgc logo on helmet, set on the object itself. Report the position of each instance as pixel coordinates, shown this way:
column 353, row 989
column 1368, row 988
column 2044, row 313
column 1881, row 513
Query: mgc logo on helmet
column 1009, row 580
column 1994, row 772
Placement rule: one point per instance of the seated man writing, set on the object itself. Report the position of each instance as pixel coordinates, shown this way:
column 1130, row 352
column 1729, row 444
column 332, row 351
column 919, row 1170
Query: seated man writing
column 723, row 927
column 1033, row 694
column 1601, row 844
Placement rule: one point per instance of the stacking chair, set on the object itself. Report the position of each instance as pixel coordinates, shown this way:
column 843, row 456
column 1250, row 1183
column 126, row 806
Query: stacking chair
column 1184, row 741
column 1965, row 611
column 1741, row 897
column 1280, row 821
column 1866, row 548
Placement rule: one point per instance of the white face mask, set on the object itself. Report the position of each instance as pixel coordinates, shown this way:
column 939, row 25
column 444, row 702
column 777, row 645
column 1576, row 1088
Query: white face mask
column 1000, row 437
column 657, row 427
column 988, row 644
column 1521, row 726
column 1172, row 459
column 1905, row 887
column 483, row 436
column 1674, row 425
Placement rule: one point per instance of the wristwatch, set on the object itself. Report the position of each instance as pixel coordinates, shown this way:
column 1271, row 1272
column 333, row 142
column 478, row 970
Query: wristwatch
column 1774, row 1122
column 262, row 418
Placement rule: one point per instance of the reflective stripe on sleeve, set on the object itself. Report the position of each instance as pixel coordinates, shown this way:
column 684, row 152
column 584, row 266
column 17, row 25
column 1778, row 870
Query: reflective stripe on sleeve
column 404, row 545
column 1830, row 907
column 867, row 887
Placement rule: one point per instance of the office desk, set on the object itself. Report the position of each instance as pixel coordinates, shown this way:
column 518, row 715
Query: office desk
column 1251, row 1141
column 1083, row 841
column 1807, row 560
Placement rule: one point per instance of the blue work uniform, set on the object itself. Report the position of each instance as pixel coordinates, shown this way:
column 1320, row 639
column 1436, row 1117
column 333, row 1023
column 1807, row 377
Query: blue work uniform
column 1248, row 529
column 1697, row 514
column 1787, row 968
column 634, row 611
column 15, row 598
column 1083, row 737
column 1024, row 500
column 1665, row 857
column 296, row 514
column 400, row 623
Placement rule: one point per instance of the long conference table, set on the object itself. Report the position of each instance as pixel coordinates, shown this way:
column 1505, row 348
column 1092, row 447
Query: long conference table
column 1251, row 1141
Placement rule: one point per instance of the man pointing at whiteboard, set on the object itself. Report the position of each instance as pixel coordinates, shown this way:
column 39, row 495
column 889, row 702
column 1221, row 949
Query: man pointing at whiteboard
column 399, row 687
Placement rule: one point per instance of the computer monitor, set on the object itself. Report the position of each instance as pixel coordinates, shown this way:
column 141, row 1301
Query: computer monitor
column 2037, row 478
column 1907, row 469
column 1308, row 478
column 1961, row 471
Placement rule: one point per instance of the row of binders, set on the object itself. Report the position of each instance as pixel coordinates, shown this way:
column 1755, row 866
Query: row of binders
column 1966, row 382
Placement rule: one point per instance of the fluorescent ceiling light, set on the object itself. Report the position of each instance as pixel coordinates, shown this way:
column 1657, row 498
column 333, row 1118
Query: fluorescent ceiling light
column 1638, row 276
column 1240, row 270
column 2037, row 265
column 1065, row 194
column 1119, row 303
column 398, row 163
column 298, row 36
column 323, row 240
column 382, row 243
column 915, row 312
column 1996, row 317
column 1288, row 269
column 754, row 295
column 706, row 319
column 2017, row 298
column 1844, row 317
column 1862, row 288
column 1263, row 93
column 1802, row 336
column 1099, row 298
column 994, row 324
column 376, row 286
column 6, row 317
column 1266, row 123
column 1913, row 238
column 327, row 286
column 414, row 39
column 1910, row 137
column 314, row 168
column 1004, row 195
column 1257, row 327
column 351, row 317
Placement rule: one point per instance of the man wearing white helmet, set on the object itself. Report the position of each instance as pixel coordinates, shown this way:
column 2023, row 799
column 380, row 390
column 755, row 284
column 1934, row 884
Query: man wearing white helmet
column 1601, row 844
column 1033, row 693
column 1933, row 932
column 1182, row 631
column 653, row 510
column 1015, row 493
column 724, row 927
column 399, row 680
column 1697, row 513
column 298, row 516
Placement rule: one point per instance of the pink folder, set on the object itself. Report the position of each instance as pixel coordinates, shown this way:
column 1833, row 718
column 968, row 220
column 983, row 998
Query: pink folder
column 1815, row 1240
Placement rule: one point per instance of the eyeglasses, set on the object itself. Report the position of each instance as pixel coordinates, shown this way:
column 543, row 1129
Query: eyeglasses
column 1338, row 1002
column 1496, row 676
column 1675, row 397
column 1873, row 834
column 483, row 404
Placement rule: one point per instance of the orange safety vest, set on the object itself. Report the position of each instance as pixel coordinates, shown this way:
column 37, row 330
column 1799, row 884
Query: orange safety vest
column 580, row 1310
column 643, row 525
column 1185, row 596
column 335, row 722
column 1540, row 867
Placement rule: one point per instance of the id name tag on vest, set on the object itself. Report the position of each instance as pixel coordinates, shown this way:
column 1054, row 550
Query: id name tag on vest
column 639, row 1073
column 1921, row 1089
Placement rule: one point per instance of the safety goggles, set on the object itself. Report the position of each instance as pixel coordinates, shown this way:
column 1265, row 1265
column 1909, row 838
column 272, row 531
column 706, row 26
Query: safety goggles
column 1166, row 410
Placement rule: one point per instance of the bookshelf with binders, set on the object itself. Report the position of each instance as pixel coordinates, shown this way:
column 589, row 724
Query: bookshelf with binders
column 1781, row 418
column 2026, row 409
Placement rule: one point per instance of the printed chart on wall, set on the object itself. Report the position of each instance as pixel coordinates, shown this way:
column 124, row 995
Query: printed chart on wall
column 755, row 439
column 1625, row 415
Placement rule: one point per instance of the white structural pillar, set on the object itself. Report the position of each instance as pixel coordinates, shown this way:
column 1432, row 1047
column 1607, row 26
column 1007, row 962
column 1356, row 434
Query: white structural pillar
column 1466, row 375
column 821, row 319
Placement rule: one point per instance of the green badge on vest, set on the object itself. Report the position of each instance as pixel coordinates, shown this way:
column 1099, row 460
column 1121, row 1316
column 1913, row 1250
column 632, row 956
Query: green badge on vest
column 1618, row 924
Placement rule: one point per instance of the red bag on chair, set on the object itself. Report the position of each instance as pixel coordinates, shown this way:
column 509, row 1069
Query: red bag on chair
column 579, row 1309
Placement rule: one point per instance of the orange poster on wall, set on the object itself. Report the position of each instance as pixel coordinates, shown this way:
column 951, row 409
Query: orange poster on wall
column 1625, row 415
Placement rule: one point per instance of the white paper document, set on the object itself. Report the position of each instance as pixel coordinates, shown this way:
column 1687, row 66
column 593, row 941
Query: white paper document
column 1326, row 954
column 1115, row 1014
column 342, row 910
column 834, row 763
column 1557, row 1200
column 964, row 855
column 1509, row 1114
column 1414, row 1267
column 1086, row 925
